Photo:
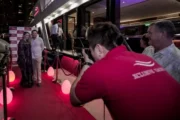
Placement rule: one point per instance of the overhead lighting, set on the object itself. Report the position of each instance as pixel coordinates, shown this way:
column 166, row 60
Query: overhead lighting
column 92, row 12
column 64, row 11
column 85, row 1
column 73, row 6
column 19, row 12
column 46, row 21
column 20, row 6
column 60, row 9
column 70, row 3
column 39, row 24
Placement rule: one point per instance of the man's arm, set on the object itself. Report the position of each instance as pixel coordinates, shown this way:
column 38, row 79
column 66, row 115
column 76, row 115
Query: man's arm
column 74, row 100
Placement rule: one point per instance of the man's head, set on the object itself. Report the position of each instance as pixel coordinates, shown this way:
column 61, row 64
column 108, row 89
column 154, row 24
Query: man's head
column 102, row 38
column 34, row 34
column 161, row 34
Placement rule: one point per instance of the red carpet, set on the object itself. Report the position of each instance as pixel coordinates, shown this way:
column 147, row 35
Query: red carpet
column 43, row 103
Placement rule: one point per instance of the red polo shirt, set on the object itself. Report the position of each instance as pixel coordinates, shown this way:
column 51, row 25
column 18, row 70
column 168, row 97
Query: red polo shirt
column 133, row 87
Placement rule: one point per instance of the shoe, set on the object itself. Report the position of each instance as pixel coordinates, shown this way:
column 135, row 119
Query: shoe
column 38, row 84
column 30, row 84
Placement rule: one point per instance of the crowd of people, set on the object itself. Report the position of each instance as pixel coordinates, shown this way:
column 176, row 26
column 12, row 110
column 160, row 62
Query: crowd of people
column 133, row 86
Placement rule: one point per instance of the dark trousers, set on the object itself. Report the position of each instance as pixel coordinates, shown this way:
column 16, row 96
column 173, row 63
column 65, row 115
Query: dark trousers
column 26, row 77
column 57, row 42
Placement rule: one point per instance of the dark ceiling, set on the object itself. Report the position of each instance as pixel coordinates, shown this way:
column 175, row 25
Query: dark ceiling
column 14, row 13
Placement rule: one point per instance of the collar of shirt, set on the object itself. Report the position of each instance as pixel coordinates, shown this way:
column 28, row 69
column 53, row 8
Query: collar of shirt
column 35, row 38
column 166, row 50
column 118, row 49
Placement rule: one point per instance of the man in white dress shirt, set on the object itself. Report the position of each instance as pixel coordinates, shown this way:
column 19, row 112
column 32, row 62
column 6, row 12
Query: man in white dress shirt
column 161, row 35
column 56, row 35
column 37, row 46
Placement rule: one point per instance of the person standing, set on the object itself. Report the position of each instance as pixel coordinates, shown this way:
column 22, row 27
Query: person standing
column 148, row 49
column 133, row 86
column 61, row 37
column 54, row 35
column 161, row 35
column 37, row 48
column 57, row 36
column 25, row 60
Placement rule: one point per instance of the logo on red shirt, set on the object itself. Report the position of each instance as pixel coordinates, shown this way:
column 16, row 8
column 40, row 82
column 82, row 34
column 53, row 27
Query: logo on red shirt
column 146, row 64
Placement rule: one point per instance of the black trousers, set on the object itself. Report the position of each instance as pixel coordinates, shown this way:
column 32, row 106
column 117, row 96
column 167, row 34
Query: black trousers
column 57, row 42
column 26, row 77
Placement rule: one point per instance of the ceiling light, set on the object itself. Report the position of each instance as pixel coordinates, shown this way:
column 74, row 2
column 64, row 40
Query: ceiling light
column 60, row 9
column 70, row 3
column 85, row 1
column 73, row 6
column 92, row 12
column 123, row 2
column 19, row 12
column 20, row 6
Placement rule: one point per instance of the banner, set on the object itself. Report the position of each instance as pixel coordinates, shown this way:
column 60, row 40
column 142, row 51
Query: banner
column 15, row 35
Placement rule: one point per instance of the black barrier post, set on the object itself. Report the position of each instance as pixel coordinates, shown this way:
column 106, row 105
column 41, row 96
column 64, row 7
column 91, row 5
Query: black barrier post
column 3, row 72
column 45, row 59
column 4, row 96
column 9, row 66
column 57, row 63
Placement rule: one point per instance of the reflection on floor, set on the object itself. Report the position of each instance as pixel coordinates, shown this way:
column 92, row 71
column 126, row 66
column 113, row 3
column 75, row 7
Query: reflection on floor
column 43, row 103
column 100, row 112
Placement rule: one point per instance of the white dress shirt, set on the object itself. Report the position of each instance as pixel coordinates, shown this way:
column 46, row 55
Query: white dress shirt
column 149, row 51
column 54, row 29
column 37, row 46
column 169, row 58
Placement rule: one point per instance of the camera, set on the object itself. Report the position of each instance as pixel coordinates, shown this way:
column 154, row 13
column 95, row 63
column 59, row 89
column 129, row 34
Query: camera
column 81, row 43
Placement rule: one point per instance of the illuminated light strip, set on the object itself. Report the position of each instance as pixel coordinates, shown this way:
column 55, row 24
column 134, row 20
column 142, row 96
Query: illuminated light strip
column 158, row 17
column 39, row 24
column 64, row 10
column 36, row 11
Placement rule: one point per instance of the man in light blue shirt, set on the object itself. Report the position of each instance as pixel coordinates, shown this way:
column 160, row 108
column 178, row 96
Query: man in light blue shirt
column 37, row 46
column 161, row 36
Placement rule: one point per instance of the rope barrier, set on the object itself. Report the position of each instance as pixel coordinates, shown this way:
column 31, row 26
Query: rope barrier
column 58, row 62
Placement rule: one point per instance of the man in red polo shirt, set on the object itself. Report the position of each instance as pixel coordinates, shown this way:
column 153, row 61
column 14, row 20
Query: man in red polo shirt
column 132, row 86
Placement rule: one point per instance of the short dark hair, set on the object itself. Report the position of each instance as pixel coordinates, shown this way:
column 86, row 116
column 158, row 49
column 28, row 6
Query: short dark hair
column 34, row 31
column 99, row 19
column 25, row 33
column 166, row 26
column 106, row 34
column 145, row 40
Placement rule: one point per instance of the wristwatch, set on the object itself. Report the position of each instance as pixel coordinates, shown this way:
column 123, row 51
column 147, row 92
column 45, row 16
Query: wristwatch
column 87, row 63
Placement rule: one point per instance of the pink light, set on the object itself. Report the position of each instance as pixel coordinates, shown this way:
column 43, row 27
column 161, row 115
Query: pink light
column 11, row 76
column 66, row 86
column 9, row 96
column 36, row 11
column 50, row 71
